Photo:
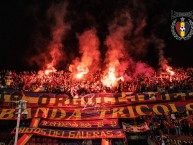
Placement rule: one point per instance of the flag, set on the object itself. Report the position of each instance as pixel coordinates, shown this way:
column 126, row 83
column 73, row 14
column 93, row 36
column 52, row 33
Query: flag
column 135, row 128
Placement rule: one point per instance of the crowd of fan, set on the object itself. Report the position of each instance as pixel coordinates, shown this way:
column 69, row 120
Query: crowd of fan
column 169, row 124
column 63, row 82
column 163, row 127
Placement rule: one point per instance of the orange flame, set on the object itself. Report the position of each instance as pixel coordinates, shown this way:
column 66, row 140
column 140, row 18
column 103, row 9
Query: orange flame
column 169, row 70
column 82, row 70
column 110, row 80
column 49, row 69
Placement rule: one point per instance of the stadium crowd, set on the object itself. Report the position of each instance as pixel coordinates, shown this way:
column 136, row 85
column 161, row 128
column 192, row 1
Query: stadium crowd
column 64, row 82
column 163, row 127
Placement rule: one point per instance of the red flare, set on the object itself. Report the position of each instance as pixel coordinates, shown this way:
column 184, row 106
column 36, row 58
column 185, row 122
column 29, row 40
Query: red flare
column 49, row 69
column 110, row 80
column 169, row 70
column 82, row 70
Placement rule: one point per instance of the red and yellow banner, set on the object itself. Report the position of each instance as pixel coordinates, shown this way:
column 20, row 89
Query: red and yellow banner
column 8, row 99
column 110, row 123
column 25, row 137
column 130, row 111
column 74, row 134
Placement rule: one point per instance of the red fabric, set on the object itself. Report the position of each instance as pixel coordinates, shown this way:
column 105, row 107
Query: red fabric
column 178, row 28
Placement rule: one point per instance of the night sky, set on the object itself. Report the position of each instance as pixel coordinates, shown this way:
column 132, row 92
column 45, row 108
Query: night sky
column 25, row 29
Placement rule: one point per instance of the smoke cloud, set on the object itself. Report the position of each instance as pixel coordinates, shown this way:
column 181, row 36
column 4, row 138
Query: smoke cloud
column 159, row 44
column 116, row 55
column 124, row 42
column 89, row 60
column 54, row 52
column 58, row 31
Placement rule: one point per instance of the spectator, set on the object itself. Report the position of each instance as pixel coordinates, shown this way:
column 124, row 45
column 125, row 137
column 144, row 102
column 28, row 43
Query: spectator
column 177, row 127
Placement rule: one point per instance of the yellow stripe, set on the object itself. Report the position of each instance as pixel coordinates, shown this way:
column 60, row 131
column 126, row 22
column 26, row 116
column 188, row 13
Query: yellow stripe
column 182, row 33
column 36, row 122
column 182, row 24
column 25, row 138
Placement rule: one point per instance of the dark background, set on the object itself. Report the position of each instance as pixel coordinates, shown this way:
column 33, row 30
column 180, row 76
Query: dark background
column 21, row 20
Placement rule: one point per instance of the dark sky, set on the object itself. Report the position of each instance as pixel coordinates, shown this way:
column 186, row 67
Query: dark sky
column 24, row 27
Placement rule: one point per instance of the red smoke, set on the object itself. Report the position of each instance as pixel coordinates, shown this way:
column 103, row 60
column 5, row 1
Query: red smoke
column 163, row 62
column 118, row 57
column 125, row 43
column 58, row 31
column 54, row 52
column 143, row 69
column 89, row 51
column 116, row 54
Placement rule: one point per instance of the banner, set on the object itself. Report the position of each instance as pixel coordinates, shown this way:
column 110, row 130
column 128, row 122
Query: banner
column 74, row 134
column 110, row 123
column 130, row 111
column 8, row 98
column 25, row 137
column 178, row 140
column 135, row 128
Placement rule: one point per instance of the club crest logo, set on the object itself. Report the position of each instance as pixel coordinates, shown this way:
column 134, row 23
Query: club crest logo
column 182, row 25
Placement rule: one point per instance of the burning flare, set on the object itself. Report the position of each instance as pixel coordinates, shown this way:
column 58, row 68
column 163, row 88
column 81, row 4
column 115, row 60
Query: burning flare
column 82, row 70
column 110, row 80
column 49, row 69
column 169, row 70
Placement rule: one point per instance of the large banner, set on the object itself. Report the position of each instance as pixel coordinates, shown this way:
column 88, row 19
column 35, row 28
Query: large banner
column 110, row 123
column 130, row 111
column 74, row 134
column 8, row 98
